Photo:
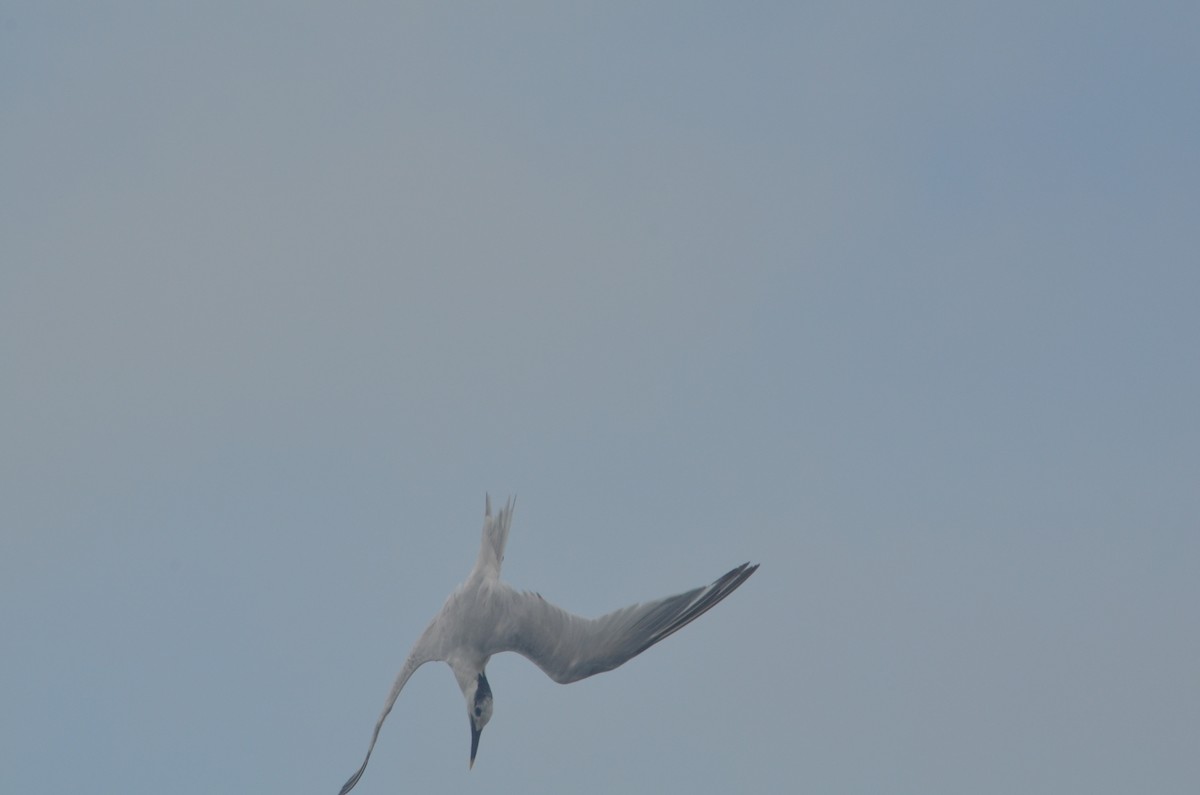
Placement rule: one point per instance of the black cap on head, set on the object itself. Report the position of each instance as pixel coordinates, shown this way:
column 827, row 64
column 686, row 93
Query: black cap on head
column 483, row 693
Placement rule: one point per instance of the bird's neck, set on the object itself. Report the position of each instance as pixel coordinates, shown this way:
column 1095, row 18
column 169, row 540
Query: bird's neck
column 466, row 672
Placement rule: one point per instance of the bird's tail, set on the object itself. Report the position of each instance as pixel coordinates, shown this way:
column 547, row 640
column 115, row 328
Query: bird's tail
column 495, row 536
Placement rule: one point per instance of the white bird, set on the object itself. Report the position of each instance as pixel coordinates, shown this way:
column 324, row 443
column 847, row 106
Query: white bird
column 484, row 616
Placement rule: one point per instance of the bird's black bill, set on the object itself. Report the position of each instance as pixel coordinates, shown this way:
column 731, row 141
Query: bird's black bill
column 474, row 742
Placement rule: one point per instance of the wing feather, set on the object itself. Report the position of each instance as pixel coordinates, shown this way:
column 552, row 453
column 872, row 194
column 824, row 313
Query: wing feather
column 568, row 647
column 416, row 658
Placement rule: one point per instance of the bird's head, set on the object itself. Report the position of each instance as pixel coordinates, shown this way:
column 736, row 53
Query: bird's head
column 479, row 710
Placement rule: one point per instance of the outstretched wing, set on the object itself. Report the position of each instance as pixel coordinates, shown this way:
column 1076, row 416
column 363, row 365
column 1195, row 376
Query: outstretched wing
column 416, row 658
column 569, row 647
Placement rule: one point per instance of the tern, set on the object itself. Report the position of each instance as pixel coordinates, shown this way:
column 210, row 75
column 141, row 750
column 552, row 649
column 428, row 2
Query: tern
column 484, row 616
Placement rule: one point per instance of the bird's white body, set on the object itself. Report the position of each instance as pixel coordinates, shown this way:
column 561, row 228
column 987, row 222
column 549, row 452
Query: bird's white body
column 484, row 616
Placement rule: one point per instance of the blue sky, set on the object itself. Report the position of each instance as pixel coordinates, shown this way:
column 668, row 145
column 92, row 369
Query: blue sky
column 899, row 302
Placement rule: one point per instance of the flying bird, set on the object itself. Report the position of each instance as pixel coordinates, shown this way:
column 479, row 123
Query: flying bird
column 484, row 616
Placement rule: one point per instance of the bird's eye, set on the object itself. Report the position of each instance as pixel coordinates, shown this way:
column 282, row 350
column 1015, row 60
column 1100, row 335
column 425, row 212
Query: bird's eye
column 478, row 712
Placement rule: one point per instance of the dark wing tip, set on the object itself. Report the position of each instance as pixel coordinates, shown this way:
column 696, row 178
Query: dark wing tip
column 669, row 619
column 349, row 785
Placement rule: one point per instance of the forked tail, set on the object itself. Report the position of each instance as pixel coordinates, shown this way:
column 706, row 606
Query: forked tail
column 495, row 536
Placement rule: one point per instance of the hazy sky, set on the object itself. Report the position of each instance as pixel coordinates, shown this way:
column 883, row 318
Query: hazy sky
column 901, row 301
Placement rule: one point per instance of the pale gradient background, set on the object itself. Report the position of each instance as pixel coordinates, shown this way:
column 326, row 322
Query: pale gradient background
column 900, row 300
